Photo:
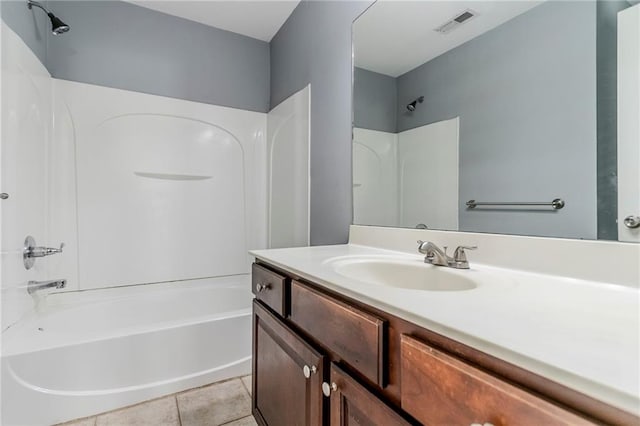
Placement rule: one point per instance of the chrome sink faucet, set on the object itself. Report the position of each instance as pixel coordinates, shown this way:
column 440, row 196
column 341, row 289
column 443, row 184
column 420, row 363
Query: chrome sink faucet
column 434, row 255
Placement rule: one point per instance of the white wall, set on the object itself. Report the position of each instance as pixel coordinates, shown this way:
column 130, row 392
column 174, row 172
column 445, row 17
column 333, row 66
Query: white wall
column 166, row 188
column 628, row 121
column 26, row 112
column 288, row 171
column 408, row 178
column 428, row 175
column 375, row 180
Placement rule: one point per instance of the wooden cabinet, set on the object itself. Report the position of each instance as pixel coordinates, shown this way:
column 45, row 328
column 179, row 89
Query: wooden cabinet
column 357, row 337
column 287, row 372
column 380, row 370
column 271, row 288
column 466, row 395
column 353, row 405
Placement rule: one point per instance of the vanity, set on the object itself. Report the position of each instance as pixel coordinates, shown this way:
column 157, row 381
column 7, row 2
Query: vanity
column 335, row 346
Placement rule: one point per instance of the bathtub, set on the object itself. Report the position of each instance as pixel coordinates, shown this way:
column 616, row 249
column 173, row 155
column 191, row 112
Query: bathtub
column 82, row 353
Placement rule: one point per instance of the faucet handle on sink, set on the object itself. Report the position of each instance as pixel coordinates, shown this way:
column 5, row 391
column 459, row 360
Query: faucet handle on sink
column 460, row 256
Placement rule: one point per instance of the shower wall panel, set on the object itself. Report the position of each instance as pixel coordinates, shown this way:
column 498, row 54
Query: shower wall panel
column 288, row 171
column 375, row 177
column 26, row 125
column 166, row 188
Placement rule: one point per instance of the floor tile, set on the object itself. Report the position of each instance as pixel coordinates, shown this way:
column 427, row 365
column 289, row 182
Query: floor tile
column 245, row 421
column 214, row 405
column 246, row 381
column 153, row 413
column 91, row 421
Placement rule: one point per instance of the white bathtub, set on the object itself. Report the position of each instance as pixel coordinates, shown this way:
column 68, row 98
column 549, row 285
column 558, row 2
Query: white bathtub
column 88, row 352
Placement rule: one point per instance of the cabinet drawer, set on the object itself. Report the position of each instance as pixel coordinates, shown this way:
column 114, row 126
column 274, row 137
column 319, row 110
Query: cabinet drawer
column 439, row 389
column 357, row 337
column 270, row 287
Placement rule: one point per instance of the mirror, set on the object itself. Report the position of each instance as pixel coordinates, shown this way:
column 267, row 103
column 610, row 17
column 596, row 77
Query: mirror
column 497, row 116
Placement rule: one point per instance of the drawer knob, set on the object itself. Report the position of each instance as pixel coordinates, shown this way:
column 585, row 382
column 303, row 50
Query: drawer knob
column 262, row 287
column 307, row 371
column 328, row 388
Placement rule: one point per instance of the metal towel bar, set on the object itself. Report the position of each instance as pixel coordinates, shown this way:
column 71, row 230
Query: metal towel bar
column 556, row 204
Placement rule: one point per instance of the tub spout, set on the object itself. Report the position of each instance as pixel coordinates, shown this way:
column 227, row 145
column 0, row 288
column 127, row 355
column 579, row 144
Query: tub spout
column 33, row 286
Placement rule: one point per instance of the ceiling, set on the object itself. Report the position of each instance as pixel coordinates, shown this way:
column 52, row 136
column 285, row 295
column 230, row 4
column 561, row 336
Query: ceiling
column 393, row 37
column 259, row 19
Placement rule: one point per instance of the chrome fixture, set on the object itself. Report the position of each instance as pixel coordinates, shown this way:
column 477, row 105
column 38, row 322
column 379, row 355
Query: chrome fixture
column 57, row 26
column 556, row 204
column 31, row 252
column 434, row 255
column 33, row 286
column 328, row 388
column 307, row 371
column 411, row 106
column 4, row 196
column 262, row 287
column 632, row 222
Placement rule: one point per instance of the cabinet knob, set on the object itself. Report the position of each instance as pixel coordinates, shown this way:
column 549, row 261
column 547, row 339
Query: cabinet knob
column 327, row 388
column 307, row 371
column 262, row 287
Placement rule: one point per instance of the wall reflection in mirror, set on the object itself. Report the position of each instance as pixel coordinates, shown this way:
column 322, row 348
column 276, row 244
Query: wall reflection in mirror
column 498, row 101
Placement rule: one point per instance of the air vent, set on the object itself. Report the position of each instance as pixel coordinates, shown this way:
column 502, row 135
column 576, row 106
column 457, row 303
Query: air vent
column 456, row 21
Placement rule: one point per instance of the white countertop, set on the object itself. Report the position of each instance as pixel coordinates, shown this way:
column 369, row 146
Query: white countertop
column 582, row 334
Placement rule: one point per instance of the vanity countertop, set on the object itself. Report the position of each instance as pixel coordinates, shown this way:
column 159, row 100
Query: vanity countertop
column 582, row 334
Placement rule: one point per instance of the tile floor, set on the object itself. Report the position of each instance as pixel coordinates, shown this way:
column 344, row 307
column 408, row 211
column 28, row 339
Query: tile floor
column 224, row 403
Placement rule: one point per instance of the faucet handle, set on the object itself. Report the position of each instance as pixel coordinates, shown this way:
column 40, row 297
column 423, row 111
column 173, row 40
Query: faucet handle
column 459, row 256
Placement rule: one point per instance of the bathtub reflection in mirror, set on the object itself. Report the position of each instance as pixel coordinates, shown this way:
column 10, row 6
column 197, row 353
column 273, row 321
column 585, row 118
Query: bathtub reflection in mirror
column 489, row 101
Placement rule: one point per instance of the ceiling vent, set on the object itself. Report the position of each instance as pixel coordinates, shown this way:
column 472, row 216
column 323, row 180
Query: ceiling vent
column 456, row 21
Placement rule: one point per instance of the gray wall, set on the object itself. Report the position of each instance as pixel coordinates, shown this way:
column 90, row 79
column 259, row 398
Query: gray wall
column 375, row 97
column 33, row 26
column 526, row 96
column 117, row 44
column 607, row 68
column 314, row 46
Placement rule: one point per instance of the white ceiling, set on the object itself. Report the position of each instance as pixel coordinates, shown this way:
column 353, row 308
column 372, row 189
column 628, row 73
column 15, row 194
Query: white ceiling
column 393, row 37
column 259, row 19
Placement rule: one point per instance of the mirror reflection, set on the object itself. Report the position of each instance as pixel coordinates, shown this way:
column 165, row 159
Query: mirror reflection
column 515, row 104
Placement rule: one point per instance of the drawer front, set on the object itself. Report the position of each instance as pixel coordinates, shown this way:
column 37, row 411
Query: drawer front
column 270, row 288
column 439, row 389
column 357, row 337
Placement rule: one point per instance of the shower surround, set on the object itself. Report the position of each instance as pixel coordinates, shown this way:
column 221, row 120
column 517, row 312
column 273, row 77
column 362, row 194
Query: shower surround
column 158, row 201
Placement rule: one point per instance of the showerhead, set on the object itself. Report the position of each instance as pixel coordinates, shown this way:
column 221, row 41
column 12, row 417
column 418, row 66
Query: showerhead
column 411, row 106
column 57, row 26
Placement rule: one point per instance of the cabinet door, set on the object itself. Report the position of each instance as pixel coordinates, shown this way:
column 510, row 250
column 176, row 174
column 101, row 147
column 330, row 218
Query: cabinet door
column 287, row 374
column 353, row 405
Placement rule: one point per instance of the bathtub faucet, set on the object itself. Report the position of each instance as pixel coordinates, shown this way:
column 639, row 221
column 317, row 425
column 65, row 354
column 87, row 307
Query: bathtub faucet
column 33, row 286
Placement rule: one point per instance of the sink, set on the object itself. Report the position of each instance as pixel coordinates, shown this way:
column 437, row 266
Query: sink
column 412, row 274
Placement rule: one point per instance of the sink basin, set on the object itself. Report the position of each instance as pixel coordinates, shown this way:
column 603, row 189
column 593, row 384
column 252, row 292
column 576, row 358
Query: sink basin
column 411, row 274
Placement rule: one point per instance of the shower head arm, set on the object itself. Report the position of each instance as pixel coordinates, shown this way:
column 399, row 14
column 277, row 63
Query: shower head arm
column 31, row 3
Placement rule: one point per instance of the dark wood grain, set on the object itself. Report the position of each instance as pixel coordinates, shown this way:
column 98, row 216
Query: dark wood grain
column 356, row 336
column 440, row 389
column 281, row 393
column 275, row 295
column 353, row 405
column 533, row 383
